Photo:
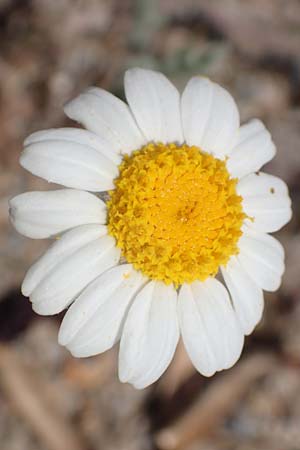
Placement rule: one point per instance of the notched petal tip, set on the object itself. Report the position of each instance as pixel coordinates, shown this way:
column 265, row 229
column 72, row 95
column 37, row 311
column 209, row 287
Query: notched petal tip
column 209, row 327
column 155, row 104
column 210, row 117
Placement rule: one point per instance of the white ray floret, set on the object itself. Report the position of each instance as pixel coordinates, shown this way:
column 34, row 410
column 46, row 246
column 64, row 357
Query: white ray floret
column 109, row 117
column 253, row 149
column 65, row 246
column 155, row 104
column 77, row 136
column 265, row 201
column 71, row 164
column 246, row 295
column 40, row 215
column 150, row 335
column 210, row 117
column 209, row 327
column 262, row 257
column 93, row 324
column 67, row 279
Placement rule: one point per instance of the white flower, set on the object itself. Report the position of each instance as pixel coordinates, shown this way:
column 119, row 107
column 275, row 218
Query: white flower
column 184, row 202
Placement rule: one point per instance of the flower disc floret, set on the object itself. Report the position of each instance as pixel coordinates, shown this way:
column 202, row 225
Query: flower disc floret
column 175, row 213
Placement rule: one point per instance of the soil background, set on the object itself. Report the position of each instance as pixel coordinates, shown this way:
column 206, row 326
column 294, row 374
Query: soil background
column 50, row 51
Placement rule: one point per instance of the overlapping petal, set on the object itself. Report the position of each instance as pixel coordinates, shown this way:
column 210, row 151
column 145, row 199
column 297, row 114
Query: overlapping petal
column 77, row 136
column 72, row 274
column 150, row 335
column 68, row 244
column 253, row 149
column 107, row 116
column 262, row 256
column 246, row 295
column 71, row 164
column 93, row 324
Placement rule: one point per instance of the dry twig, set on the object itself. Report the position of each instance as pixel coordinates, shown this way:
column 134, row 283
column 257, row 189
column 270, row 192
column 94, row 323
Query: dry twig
column 219, row 400
column 90, row 374
column 27, row 398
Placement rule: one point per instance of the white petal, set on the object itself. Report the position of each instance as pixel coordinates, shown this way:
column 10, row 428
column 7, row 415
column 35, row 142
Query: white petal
column 155, row 104
column 210, row 117
column 72, row 274
column 253, row 149
column 266, row 201
column 262, row 256
column 69, row 243
column 193, row 333
column 93, row 324
column 76, row 135
column 107, row 116
column 70, row 164
column 40, row 215
column 246, row 296
column 150, row 335
column 209, row 328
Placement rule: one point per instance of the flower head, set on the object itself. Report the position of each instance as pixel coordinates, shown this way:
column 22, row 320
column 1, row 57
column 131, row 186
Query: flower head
column 185, row 204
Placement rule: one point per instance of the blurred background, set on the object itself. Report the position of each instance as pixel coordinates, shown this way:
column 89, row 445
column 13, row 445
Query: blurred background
column 51, row 50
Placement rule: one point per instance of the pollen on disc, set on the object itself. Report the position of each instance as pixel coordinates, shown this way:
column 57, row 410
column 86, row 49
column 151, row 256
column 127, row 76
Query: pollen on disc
column 175, row 213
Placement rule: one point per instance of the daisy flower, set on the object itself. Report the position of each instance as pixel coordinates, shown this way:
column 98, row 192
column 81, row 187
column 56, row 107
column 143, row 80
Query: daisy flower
column 183, row 204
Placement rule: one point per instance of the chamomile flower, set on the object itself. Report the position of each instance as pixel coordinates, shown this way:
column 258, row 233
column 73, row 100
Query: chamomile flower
column 185, row 206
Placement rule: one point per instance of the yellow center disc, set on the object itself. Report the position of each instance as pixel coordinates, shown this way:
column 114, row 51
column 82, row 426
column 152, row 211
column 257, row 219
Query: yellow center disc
column 175, row 213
